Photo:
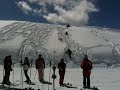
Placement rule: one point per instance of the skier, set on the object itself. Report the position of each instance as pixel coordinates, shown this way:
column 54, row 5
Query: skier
column 86, row 65
column 26, row 66
column 60, row 39
column 40, row 66
column 66, row 33
column 7, row 68
column 69, row 52
column 61, row 67
column 68, row 25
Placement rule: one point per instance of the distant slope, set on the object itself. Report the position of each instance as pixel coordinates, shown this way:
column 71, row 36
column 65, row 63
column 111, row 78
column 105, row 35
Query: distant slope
column 5, row 22
column 29, row 39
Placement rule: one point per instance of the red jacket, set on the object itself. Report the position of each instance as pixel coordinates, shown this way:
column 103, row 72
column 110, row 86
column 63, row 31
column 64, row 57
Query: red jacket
column 86, row 65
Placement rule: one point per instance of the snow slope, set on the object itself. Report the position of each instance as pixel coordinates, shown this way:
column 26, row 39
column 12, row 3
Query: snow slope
column 22, row 39
column 4, row 23
column 102, row 45
column 104, row 79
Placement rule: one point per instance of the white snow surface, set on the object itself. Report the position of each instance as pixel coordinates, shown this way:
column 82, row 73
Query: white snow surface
column 26, row 37
column 30, row 39
column 103, row 78
column 5, row 22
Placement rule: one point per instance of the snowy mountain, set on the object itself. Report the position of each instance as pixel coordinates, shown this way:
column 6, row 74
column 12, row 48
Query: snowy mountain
column 20, row 39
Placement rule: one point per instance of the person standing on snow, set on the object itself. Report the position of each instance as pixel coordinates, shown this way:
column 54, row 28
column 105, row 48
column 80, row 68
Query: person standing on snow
column 69, row 52
column 7, row 68
column 61, row 67
column 40, row 66
column 86, row 65
column 26, row 66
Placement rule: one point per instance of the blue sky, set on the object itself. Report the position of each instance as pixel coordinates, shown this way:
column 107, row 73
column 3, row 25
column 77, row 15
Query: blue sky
column 106, row 15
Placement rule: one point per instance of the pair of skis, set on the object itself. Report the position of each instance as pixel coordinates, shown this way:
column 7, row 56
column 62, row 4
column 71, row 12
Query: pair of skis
column 10, row 87
column 46, row 82
column 91, row 88
column 68, row 85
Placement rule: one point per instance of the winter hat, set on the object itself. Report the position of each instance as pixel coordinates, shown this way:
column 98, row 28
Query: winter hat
column 86, row 57
column 40, row 55
column 26, row 58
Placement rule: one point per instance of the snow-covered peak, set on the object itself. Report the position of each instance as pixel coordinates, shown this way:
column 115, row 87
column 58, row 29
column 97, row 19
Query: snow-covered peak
column 29, row 39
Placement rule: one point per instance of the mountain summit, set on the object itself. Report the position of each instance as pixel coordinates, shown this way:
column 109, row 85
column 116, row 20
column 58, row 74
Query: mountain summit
column 20, row 39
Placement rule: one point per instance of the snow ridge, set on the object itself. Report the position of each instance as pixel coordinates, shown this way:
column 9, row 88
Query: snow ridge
column 36, row 38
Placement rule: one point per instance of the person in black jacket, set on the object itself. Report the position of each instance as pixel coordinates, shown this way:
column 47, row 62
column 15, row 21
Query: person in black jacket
column 61, row 67
column 69, row 52
column 26, row 66
column 7, row 68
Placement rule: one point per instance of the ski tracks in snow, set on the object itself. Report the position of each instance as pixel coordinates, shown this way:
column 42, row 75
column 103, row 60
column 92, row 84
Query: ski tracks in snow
column 116, row 51
column 76, row 49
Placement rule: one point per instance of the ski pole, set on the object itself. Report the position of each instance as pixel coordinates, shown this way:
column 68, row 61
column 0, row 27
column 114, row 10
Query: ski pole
column 31, row 67
column 54, row 73
column 30, row 72
column 13, row 75
column 49, row 74
column 54, row 57
column 50, row 71
column 54, row 76
column 21, row 76
column 35, row 74
column 3, row 73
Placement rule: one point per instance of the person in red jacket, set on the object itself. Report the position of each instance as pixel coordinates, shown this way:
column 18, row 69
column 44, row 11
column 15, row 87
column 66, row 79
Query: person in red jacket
column 86, row 65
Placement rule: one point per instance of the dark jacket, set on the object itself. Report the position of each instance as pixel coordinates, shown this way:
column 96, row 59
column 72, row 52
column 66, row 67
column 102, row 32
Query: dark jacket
column 7, row 63
column 61, row 66
column 40, row 63
column 26, row 64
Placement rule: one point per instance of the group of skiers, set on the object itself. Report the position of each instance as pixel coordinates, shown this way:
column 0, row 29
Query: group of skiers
column 86, row 65
column 40, row 66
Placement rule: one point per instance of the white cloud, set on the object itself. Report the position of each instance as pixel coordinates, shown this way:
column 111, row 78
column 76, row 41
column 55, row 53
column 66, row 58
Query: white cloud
column 52, row 17
column 33, row 1
column 79, row 15
column 57, row 2
column 40, row 11
column 74, row 12
column 60, row 10
column 24, row 6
